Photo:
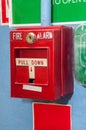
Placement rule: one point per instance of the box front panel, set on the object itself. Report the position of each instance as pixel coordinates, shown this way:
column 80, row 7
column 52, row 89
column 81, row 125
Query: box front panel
column 33, row 68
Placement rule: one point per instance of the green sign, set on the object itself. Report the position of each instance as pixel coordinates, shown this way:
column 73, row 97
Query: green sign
column 80, row 54
column 26, row 12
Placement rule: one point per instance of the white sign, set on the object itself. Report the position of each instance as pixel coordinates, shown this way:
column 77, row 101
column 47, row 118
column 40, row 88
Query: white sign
column 32, row 88
column 31, row 62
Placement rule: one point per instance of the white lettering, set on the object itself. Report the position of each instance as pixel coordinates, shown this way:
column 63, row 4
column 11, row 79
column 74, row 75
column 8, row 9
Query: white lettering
column 37, row 62
column 44, row 35
column 47, row 35
column 39, row 36
column 17, row 36
column 65, row 1
column 57, row 2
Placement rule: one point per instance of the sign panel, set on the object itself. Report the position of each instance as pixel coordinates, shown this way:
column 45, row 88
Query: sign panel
column 24, row 12
column 27, row 12
column 4, row 12
column 80, row 54
column 51, row 117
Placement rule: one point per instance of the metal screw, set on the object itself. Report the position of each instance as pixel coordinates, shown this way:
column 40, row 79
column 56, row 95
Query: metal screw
column 30, row 38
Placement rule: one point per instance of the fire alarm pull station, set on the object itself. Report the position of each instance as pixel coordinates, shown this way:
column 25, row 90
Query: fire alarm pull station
column 41, row 62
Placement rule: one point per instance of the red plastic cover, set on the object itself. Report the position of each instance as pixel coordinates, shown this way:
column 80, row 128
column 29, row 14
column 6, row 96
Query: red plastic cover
column 51, row 117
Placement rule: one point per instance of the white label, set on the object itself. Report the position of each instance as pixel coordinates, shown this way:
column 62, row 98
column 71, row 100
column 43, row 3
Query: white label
column 32, row 88
column 31, row 62
column 31, row 72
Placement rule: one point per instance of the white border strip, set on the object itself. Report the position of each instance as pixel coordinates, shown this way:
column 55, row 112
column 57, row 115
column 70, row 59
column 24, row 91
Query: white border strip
column 22, row 25
column 1, row 10
column 32, row 88
column 61, row 23
column 10, row 13
column 39, row 24
column 33, row 115
column 7, row 10
column 71, row 118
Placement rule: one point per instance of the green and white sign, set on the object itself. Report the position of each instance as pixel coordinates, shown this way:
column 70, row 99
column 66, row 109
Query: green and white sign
column 80, row 54
column 28, row 12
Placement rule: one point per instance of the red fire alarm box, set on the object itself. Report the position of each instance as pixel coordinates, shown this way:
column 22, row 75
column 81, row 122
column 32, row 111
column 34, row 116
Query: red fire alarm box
column 41, row 62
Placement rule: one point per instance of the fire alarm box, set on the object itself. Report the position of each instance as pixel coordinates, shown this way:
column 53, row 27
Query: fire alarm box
column 41, row 62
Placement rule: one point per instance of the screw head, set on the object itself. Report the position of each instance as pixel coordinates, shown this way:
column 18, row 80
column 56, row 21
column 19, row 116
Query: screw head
column 30, row 38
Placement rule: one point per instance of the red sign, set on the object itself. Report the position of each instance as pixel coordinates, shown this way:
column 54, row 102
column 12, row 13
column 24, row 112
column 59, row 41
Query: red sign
column 51, row 117
column 4, row 12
